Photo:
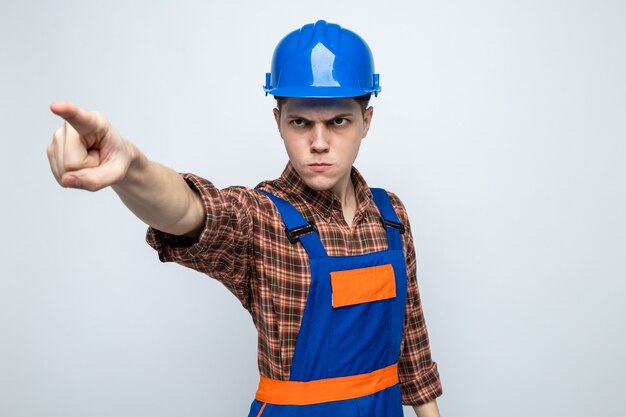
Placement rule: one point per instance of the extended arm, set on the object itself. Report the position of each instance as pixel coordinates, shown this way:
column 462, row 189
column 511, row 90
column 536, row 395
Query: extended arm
column 88, row 153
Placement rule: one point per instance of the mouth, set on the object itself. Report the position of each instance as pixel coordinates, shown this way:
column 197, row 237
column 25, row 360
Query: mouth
column 319, row 166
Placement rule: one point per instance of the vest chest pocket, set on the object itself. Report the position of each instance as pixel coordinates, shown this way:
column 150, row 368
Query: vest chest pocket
column 362, row 285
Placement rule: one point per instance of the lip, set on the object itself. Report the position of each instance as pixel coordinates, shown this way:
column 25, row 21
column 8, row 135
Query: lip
column 319, row 167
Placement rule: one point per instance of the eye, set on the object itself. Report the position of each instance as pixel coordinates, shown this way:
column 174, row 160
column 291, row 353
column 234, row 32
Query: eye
column 340, row 121
column 298, row 122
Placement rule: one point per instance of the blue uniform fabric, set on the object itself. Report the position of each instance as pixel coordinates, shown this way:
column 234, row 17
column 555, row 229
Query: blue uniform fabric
column 350, row 340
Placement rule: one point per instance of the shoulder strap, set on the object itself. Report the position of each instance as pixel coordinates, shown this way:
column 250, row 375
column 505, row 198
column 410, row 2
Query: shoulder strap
column 297, row 228
column 389, row 218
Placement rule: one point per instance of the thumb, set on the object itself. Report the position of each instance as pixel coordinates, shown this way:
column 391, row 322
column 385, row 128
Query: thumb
column 85, row 122
column 96, row 178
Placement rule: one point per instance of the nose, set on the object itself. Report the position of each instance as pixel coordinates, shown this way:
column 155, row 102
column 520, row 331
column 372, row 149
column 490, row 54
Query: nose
column 319, row 139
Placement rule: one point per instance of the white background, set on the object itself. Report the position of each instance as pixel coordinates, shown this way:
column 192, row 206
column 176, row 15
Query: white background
column 501, row 125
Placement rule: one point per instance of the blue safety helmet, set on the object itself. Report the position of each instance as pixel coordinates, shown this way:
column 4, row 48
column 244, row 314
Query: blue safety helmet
column 322, row 60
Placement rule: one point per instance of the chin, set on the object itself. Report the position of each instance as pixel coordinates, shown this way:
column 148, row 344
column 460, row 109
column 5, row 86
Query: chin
column 319, row 184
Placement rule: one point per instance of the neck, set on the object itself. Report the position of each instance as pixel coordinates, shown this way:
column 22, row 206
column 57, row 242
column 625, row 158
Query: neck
column 344, row 191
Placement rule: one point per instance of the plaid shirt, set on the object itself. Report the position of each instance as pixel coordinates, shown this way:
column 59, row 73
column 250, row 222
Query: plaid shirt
column 243, row 245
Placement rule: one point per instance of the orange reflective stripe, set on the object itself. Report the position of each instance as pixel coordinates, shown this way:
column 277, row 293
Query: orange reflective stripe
column 329, row 389
column 261, row 410
column 362, row 285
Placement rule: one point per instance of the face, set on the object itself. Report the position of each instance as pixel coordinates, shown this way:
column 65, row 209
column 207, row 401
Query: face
column 322, row 137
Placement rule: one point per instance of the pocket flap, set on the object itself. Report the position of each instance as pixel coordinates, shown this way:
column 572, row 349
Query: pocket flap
column 362, row 285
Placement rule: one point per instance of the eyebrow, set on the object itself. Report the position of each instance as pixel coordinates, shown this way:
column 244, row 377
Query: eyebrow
column 337, row 116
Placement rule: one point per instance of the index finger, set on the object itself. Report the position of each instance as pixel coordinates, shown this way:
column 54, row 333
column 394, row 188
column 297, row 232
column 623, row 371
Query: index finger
column 85, row 122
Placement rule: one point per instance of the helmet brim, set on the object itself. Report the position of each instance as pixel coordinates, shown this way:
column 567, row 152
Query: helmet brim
column 320, row 92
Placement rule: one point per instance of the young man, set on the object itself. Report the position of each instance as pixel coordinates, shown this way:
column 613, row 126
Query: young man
column 324, row 264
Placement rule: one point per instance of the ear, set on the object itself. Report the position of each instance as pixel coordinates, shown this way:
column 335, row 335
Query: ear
column 277, row 118
column 367, row 119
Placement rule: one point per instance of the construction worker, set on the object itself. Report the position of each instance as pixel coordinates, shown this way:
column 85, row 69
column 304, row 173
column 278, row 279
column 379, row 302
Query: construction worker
column 324, row 264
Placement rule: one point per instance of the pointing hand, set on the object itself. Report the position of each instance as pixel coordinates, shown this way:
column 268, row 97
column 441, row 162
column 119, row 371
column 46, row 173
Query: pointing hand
column 87, row 152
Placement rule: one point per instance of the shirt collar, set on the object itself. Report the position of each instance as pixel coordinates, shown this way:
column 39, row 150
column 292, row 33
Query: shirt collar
column 291, row 184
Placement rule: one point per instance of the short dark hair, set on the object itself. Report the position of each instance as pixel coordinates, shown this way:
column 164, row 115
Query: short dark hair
column 363, row 101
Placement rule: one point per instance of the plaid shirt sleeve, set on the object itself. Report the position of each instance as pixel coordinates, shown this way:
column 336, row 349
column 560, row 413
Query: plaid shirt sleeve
column 223, row 248
column 418, row 374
